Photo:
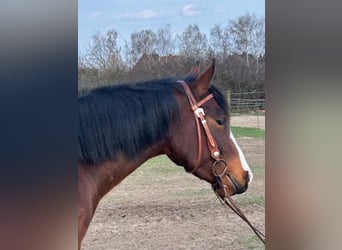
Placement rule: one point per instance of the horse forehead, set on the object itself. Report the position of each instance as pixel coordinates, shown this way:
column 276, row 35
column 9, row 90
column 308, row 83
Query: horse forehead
column 244, row 163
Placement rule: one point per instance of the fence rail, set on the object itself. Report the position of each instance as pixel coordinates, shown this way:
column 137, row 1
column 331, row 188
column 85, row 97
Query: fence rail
column 245, row 102
column 245, row 105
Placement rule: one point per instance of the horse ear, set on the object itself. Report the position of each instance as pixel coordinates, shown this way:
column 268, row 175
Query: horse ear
column 203, row 81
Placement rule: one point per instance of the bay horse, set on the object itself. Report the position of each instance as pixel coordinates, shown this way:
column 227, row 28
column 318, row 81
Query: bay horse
column 122, row 126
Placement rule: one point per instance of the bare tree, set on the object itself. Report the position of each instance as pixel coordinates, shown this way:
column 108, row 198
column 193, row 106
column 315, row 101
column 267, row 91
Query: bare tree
column 220, row 41
column 103, row 53
column 258, row 41
column 242, row 31
column 165, row 41
column 143, row 42
column 193, row 44
column 239, row 48
column 101, row 63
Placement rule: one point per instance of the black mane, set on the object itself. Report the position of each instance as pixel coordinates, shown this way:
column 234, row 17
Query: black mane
column 124, row 118
column 127, row 118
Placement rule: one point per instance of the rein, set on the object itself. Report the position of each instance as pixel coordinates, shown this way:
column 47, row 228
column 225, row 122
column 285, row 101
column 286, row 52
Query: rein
column 228, row 202
column 199, row 114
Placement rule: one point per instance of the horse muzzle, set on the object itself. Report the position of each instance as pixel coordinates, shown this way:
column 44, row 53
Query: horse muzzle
column 229, row 186
column 238, row 188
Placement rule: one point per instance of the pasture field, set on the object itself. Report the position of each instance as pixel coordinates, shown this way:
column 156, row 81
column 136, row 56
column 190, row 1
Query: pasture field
column 160, row 206
column 247, row 132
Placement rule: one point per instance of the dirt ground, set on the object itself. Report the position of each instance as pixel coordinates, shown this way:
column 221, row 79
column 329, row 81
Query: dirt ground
column 250, row 121
column 160, row 206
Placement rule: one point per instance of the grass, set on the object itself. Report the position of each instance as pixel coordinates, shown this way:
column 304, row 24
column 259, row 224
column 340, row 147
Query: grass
column 248, row 199
column 159, row 165
column 251, row 242
column 247, row 132
column 194, row 192
column 258, row 171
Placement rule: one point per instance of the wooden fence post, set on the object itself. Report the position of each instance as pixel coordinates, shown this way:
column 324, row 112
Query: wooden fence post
column 228, row 96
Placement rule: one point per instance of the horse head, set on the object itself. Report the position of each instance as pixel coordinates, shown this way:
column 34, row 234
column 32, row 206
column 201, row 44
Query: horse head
column 202, row 141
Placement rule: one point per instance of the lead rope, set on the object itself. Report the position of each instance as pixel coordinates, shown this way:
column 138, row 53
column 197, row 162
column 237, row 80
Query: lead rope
column 229, row 203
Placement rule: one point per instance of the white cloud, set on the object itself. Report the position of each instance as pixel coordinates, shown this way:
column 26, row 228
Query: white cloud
column 188, row 10
column 94, row 14
column 145, row 14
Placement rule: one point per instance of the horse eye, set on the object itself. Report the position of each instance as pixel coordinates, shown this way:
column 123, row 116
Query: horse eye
column 221, row 121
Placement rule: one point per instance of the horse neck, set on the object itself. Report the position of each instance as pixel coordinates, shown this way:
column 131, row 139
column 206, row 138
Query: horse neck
column 110, row 173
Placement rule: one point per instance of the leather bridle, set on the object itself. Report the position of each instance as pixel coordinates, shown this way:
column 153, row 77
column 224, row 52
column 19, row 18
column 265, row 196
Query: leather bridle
column 215, row 154
column 212, row 144
column 199, row 113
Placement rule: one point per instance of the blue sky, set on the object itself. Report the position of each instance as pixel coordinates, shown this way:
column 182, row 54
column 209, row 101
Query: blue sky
column 127, row 16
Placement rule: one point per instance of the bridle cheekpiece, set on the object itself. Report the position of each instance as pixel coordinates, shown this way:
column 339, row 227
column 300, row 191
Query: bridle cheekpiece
column 211, row 142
